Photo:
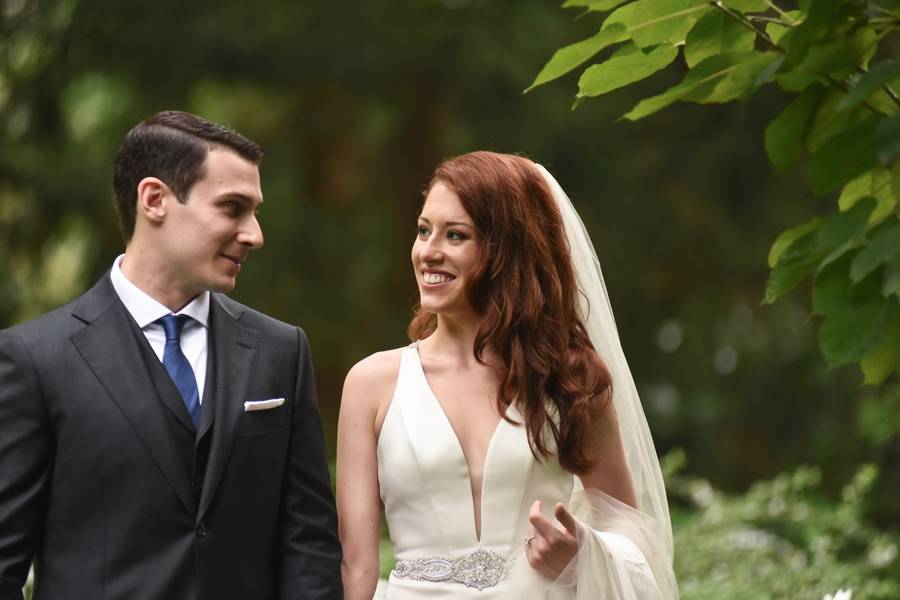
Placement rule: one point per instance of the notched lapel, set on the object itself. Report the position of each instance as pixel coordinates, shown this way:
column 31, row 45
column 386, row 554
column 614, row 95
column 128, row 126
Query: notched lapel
column 235, row 350
column 108, row 346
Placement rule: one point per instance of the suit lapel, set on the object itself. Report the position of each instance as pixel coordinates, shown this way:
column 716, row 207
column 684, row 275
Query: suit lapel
column 108, row 346
column 235, row 351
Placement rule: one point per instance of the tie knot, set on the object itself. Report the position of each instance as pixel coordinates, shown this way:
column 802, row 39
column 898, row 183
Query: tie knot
column 173, row 324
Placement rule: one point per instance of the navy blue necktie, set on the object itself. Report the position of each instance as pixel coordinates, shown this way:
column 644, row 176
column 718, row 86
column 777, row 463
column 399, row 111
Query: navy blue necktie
column 177, row 365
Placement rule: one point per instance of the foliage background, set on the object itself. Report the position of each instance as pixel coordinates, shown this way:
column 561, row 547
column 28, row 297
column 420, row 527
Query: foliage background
column 355, row 104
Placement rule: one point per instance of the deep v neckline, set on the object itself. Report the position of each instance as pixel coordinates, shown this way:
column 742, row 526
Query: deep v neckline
column 477, row 523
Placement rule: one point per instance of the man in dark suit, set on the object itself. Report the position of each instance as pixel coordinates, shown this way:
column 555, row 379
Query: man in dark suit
column 158, row 440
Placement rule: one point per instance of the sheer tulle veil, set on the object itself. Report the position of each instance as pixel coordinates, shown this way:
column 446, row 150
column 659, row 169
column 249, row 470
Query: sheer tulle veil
column 649, row 528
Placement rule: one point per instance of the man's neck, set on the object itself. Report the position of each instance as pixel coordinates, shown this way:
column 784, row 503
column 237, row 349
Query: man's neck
column 154, row 280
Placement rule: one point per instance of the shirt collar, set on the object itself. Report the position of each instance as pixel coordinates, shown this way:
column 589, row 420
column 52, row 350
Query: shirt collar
column 144, row 308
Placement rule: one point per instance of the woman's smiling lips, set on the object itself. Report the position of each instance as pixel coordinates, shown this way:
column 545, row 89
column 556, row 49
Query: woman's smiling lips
column 433, row 277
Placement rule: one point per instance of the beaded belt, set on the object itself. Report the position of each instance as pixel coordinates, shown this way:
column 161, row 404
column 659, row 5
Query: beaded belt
column 480, row 568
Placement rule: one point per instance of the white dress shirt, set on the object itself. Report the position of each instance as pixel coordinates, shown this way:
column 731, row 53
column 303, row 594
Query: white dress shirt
column 145, row 311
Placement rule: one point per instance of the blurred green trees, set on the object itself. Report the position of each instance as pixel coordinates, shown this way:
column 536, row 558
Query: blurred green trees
column 355, row 103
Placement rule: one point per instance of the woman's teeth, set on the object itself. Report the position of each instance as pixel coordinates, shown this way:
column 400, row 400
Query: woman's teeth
column 435, row 278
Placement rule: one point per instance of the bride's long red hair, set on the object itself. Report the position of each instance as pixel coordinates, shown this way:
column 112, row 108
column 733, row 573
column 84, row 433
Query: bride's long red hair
column 525, row 291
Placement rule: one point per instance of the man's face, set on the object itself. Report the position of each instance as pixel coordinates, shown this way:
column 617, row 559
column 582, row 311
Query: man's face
column 207, row 238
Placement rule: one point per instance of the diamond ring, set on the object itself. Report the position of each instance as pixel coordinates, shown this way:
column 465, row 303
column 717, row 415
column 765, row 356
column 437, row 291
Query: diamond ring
column 528, row 539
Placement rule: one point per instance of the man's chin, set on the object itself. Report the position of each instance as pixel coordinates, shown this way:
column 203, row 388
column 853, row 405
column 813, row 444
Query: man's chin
column 223, row 286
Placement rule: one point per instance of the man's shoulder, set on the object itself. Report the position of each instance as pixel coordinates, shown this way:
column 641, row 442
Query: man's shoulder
column 59, row 322
column 255, row 319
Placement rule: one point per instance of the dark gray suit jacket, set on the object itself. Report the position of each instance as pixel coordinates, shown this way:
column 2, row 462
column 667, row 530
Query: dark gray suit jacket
column 106, row 486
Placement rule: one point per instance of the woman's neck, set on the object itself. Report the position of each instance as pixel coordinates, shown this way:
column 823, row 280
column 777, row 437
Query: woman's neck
column 453, row 340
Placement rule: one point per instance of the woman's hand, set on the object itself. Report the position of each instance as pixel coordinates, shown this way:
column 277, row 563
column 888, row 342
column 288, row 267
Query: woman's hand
column 552, row 544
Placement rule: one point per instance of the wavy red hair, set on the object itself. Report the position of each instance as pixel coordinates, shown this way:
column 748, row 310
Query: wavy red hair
column 525, row 291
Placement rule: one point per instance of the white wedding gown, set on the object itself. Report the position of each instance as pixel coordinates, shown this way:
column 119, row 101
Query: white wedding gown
column 425, row 487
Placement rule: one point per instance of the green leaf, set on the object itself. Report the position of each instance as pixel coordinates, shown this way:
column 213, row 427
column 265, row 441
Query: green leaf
column 891, row 284
column 787, row 237
column 776, row 31
column 882, row 360
column 843, row 157
column 834, row 290
column 626, row 66
column 850, row 335
column 716, row 33
column 785, row 136
column 719, row 78
column 895, row 179
column 809, row 249
column 829, row 121
column 832, row 285
column 876, row 184
column 887, row 138
column 837, row 57
column 746, row 6
column 593, row 5
column 566, row 59
column 870, row 83
column 652, row 22
column 882, row 247
column 795, row 81
column 821, row 16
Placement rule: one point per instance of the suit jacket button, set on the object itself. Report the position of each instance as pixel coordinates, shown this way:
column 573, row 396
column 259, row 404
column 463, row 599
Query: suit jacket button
column 201, row 529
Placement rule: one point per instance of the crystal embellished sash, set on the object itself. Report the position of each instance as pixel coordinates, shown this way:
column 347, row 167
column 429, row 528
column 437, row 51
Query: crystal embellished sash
column 480, row 568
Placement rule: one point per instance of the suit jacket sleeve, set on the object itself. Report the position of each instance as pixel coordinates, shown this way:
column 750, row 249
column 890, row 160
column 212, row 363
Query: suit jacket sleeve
column 25, row 463
column 311, row 552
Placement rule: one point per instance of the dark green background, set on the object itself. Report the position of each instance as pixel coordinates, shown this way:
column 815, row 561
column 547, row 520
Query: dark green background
column 355, row 103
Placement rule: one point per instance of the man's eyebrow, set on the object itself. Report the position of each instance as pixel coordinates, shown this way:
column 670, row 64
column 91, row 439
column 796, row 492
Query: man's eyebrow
column 240, row 197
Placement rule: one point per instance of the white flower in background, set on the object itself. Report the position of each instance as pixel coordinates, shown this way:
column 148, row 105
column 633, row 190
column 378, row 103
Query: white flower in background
column 882, row 553
column 702, row 493
column 841, row 594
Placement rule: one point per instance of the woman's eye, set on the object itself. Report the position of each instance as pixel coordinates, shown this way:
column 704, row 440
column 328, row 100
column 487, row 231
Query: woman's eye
column 422, row 232
column 456, row 236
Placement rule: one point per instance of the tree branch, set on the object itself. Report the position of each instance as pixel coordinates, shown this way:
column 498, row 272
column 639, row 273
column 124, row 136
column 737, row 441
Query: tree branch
column 784, row 15
column 886, row 87
column 749, row 24
column 765, row 36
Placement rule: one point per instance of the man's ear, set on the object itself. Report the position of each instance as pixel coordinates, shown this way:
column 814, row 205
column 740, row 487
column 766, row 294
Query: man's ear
column 153, row 196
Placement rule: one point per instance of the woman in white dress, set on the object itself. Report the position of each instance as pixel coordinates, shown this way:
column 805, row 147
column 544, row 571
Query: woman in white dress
column 506, row 446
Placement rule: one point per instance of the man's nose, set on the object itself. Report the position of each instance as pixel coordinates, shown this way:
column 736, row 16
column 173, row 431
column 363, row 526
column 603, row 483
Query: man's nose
column 251, row 234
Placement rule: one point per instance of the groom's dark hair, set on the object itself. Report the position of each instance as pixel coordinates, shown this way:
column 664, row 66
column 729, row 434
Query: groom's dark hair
column 172, row 146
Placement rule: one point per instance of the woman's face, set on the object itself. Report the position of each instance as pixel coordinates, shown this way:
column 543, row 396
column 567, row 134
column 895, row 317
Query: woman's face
column 445, row 253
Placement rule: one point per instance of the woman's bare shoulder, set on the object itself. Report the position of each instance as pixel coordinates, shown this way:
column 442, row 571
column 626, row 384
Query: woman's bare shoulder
column 369, row 387
column 374, row 377
column 379, row 368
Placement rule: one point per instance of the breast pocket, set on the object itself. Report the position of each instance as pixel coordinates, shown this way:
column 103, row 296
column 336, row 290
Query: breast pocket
column 264, row 420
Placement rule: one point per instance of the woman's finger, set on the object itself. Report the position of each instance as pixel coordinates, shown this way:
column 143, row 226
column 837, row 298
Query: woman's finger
column 543, row 526
column 566, row 519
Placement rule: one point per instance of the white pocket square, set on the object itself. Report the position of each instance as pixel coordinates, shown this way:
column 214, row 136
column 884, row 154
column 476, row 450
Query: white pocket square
column 263, row 404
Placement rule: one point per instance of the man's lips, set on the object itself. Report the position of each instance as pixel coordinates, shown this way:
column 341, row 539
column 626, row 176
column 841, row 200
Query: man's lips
column 235, row 259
